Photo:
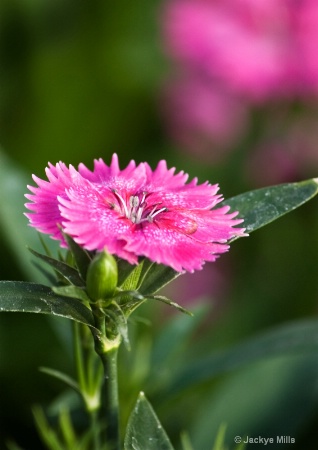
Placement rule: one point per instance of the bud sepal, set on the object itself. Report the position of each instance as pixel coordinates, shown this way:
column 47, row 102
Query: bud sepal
column 102, row 277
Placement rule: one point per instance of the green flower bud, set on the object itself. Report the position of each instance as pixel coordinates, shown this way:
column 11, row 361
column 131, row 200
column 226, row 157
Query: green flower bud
column 102, row 276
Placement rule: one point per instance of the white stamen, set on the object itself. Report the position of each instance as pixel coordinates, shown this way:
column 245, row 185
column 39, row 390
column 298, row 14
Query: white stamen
column 136, row 208
column 153, row 214
column 143, row 197
column 139, row 214
column 122, row 201
column 157, row 212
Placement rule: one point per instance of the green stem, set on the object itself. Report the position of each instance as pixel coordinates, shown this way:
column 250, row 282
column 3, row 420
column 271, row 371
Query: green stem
column 94, row 425
column 109, row 360
column 78, row 353
column 107, row 349
column 87, row 379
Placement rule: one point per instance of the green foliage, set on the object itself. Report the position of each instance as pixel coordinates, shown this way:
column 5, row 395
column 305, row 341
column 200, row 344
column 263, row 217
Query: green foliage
column 144, row 431
column 20, row 296
column 178, row 372
column 294, row 338
column 262, row 206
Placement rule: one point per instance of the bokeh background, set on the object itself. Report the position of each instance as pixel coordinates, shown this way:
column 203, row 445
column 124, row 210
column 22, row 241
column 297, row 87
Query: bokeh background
column 224, row 90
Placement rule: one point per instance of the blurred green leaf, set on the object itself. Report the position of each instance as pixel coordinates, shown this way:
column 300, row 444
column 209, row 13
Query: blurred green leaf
column 48, row 435
column 185, row 441
column 144, row 430
column 296, row 337
column 13, row 446
column 219, row 440
column 169, row 344
column 62, row 377
column 20, row 296
column 13, row 224
column 272, row 397
column 262, row 206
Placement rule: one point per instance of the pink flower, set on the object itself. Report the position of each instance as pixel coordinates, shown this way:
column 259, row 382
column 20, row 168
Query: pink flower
column 134, row 212
column 244, row 43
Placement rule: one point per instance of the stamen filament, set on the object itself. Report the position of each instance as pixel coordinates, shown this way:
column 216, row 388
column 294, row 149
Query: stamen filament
column 123, row 202
column 157, row 212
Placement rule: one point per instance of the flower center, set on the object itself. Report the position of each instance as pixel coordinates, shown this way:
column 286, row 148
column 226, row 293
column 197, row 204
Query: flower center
column 137, row 209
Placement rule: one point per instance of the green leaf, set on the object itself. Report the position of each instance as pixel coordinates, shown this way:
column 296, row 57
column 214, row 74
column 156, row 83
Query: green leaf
column 144, row 430
column 68, row 272
column 166, row 300
column 13, row 446
column 62, row 377
column 131, row 281
column 13, row 223
column 146, row 266
column 185, row 441
column 81, row 256
column 20, row 296
column 124, row 270
column 48, row 435
column 262, row 206
column 296, row 337
column 170, row 344
column 157, row 277
column 219, row 440
column 73, row 292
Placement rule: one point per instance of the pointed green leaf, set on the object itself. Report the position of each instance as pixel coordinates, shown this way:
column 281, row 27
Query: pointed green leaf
column 124, row 294
column 146, row 266
column 81, row 256
column 157, row 277
column 48, row 435
column 165, row 300
column 20, row 296
column 219, row 440
column 62, row 377
column 132, row 280
column 185, row 441
column 295, row 338
column 262, row 206
column 124, row 270
column 68, row 272
column 144, row 430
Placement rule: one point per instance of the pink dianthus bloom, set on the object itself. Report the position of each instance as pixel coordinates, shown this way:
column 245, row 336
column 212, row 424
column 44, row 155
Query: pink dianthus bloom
column 134, row 212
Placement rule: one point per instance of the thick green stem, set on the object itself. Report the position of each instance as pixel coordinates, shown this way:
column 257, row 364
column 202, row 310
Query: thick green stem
column 109, row 360
column 107, row 349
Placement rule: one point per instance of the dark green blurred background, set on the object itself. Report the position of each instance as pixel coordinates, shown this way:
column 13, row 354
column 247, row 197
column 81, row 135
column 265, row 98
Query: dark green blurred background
column 80, row 80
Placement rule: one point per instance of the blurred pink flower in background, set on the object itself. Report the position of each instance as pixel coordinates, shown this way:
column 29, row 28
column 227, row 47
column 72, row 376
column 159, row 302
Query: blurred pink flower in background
column 244, row 43
column 231, row 58
column 200, row 114
column 306, row 31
